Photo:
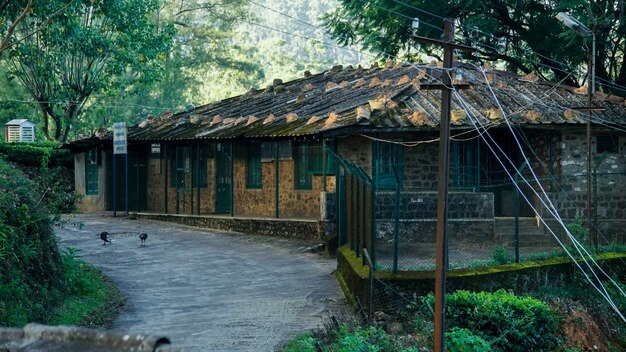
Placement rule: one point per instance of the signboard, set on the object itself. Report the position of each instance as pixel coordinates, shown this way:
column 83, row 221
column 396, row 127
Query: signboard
column 155, row 148
column 119, row 138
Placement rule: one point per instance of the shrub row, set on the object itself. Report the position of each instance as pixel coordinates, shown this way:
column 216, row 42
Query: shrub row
column 36, row 154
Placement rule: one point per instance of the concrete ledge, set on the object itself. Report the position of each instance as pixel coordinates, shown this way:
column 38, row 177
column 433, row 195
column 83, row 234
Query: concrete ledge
column 301, row 229
column 522, row 277
column 36, row 337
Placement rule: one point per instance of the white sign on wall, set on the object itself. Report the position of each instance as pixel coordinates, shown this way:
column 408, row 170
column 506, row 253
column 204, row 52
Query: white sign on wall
column 155, row 148
column 119, row 138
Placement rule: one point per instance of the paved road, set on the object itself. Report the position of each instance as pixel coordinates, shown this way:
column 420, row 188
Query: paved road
column 208, row 291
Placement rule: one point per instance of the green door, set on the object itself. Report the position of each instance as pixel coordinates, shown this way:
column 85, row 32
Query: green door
column 183, row 178
column 224, row 178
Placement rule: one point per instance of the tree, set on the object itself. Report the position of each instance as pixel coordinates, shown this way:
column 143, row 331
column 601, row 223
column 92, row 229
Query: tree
column 12, row 12
column 527, row 37
column 94, row 46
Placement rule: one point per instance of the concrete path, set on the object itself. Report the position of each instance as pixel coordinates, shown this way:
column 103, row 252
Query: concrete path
column 207, row 290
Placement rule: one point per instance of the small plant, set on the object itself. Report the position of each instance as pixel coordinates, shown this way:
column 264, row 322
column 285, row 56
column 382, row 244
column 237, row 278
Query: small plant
column 302, row 343
column 463, row 340
column 578, row 231
column 500, row 255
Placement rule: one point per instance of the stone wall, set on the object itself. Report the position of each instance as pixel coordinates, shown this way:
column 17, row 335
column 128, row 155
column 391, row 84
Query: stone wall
column 309, row 230
column 292, row 202
column 608, row 185
column 420, row 162
column 158, row 168
column 471, row 216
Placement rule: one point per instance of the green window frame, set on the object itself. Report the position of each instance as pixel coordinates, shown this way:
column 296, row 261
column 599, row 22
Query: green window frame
column 203, row 181
column 91, row 172
column 181, row 160
column 388, row 160
column 465, row 170
column 303, row 176
column 254, row 168
column 316, row 159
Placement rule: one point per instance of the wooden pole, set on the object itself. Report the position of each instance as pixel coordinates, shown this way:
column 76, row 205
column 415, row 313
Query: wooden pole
column 442, row 191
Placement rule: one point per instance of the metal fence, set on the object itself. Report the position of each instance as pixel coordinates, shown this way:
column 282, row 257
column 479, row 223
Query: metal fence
column 494, row 222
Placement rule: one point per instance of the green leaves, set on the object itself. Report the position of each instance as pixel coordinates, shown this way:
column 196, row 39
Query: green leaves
column 92, row 47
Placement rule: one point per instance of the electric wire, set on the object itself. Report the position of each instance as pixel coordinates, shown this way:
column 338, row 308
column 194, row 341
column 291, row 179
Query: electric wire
column 579, row 246
column 550, row 209
column 476, row 124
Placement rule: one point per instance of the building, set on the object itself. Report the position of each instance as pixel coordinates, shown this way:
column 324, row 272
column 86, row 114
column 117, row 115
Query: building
column 19, row 130
column 271, row 160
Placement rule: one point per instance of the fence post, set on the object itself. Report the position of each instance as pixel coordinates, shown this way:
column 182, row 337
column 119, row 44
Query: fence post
column 518, row 172
column 516, row 210
column 368, row 260
column 373, row 223
column 396, row 225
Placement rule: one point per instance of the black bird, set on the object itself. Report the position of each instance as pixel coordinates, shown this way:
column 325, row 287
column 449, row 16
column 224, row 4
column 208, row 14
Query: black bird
column 104, row 236
column 143, row 238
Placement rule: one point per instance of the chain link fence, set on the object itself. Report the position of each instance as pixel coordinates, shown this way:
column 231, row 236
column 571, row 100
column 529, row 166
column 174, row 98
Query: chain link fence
column 496, row 217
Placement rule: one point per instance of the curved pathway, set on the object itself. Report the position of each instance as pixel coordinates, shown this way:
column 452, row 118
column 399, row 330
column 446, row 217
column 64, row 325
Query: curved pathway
column 207, row 290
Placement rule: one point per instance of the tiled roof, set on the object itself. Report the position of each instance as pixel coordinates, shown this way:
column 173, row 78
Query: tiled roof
column 401, row 97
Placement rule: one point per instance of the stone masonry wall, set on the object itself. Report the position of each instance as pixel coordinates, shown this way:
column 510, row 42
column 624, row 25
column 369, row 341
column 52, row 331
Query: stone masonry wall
column 471, row 216
column 419, row 162
column 293, row 203
column 608, row 188
column 157, row 169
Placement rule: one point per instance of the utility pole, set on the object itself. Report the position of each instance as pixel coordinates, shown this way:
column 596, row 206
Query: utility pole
column 441, row 259
column 585, row 32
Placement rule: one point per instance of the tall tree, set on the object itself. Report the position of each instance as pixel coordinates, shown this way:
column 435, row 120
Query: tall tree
column 527, row 37
column 91, row 47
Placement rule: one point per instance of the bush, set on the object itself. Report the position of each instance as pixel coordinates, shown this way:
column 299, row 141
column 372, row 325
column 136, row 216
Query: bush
column 507, row 322
column 30, row 265
column 36, row 154
column 463, row 340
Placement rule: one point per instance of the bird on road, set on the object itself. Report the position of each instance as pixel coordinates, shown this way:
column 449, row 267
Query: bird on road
column 143, row 238
column 105, row 237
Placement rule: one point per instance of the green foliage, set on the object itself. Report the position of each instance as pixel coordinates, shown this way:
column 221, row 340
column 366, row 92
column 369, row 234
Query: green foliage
column 301, row 343
column 580, row 232
column 500, row 255
column 507, row 322
column 370, row 339
column 34, row 277
column 92, row 300
column 50, row 169
column 463, row 340
column 30, row 265
column 91, row 47
column 518, row 27
column 41, row 154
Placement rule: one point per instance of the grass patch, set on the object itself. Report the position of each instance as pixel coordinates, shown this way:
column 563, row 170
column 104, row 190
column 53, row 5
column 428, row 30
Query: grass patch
column 93, row 300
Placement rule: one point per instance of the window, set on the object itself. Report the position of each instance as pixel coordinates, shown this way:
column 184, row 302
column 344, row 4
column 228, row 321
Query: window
column 387, row 164
column 254, row 170
column 607, row 144
column 91, row 172
column 304, row 180
column 316, row 160
column 180, row 160
column 465, row 168
column 205, row 151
